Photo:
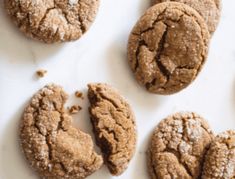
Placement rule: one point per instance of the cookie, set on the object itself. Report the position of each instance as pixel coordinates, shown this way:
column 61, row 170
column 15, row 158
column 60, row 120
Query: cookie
column 53, row 147
column 114, row 126
column 178, row 147
column 168, row 47
column 209, row 9
column 220, row 158
column 53, row 21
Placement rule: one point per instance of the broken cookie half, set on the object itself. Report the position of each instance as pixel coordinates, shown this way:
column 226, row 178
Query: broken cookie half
column 114, row 126
column 53, row 147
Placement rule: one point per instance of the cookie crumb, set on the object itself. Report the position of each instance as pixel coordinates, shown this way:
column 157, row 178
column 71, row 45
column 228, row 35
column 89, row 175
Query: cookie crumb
column 41, row 73
column 79, row 94
column 75, row 109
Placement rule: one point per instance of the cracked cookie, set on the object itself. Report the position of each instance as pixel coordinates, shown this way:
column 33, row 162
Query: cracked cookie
column 114, row 126
column 53, row 147
column 209, row 9
column 53, row 21
column 220, row 158
column 178, row 147
column 168, row 47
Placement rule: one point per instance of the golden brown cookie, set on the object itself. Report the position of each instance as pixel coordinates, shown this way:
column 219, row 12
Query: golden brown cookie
column 53, row 147
column 53, row 20
column 168, row 47
column 114, row 126
column 220, row 158
column 178, row 147
column 209, row 9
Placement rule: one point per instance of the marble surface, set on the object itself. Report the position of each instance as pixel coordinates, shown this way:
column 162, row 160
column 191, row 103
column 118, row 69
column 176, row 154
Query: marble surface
column 100, row 56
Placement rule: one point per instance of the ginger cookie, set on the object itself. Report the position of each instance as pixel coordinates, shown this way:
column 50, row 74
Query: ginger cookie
column 209, row 9
column 53, row 21
column 178, row 147
column 53, row 147
column 114, row 126
column 168, row 47
column 220, row 158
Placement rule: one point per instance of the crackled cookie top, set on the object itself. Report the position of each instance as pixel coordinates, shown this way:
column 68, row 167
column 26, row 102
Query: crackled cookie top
column 52, row 146
column 220, row 158
column 114, row 126
column 53, row 20
column 168, row 47
column 178, row 146
column 209, row 9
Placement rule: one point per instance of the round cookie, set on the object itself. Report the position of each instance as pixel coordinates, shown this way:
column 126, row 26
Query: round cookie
column 53, row 21
column 209, row 9
column 178, row 146
column 220, row 158
column 114, row 126
column 52, row 146
column 168, row 47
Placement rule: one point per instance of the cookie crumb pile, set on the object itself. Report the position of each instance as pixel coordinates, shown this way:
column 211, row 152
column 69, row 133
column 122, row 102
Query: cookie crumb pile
column 169, row 44
column 184, row 146
column 75, row 109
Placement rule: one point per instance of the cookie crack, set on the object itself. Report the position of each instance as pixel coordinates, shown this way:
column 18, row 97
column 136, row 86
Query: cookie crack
column 83, row 28
column 141, row 43
column 157, row 58
column 115, row 137
column 26, row 15
column 160, row 50
column 152, row 164
column 48, row 133
column 44, row 17
column 202, row 35
column 178, row 156
column 50, row 148
column 103, row 97
column 63, row 167
column 117, row 108
column 41, row 21
column 153, row 24
column 116, row 122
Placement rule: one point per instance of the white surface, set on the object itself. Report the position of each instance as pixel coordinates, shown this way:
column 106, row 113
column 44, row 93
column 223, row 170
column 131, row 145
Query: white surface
column 100, row 56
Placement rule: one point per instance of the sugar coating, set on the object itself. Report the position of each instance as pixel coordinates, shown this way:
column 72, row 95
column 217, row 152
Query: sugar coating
column 220, row 158
column 210, row 10
column 73, row 2
column 53, row 21
column 178, row 147
column 52, row 146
